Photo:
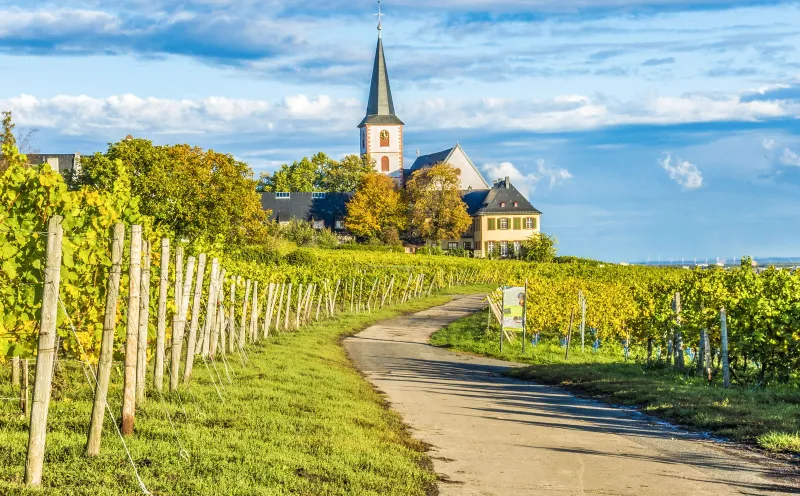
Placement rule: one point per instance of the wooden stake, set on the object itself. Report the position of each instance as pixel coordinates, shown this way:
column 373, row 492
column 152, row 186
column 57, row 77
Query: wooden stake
column 24, row 397
column 288, row 307
column 163, row 287
column 44, row 358
column 144, row 324
column 270, row 305
column 245, row 301
column 569, row 334
column 210, row 307
column 198, row 293
column 254, row 313
column 232, row 318
column 107, row 342
column 15, row 372
column 180, row 326
column 726, row 370
column 280, row 308
column 132, row 332
column 219, row 284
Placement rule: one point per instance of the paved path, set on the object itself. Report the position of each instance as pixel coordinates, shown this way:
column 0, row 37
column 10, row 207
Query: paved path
column 491, row 435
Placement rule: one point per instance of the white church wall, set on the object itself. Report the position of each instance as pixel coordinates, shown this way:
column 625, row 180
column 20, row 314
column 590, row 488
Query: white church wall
column 470, row 178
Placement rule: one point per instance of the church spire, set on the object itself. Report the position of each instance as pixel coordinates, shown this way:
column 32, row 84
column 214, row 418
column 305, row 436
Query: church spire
column 380, row 107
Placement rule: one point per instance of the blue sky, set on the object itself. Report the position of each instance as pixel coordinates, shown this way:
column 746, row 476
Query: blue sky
column 641, row 128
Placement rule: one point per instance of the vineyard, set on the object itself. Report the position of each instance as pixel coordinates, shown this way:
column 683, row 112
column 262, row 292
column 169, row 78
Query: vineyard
column 88, row 285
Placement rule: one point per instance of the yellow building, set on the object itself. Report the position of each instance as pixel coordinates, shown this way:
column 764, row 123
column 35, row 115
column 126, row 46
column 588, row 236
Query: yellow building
column 502, row 219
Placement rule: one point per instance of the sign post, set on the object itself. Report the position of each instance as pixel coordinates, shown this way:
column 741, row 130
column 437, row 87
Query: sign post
column 513, row 311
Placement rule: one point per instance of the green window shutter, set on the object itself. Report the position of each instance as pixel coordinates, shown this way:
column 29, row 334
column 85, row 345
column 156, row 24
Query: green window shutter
column 535, row 223
column 491, row 224
column 516, row 223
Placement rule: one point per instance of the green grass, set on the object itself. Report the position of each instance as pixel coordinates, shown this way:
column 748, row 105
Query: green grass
column 761, row 417
column 298, row 419
column 780, row 442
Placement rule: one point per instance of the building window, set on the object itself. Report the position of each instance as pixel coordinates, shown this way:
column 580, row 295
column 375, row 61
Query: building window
column 528, row 223
column 504, row 248
column 319, row 195
column 490, row 246
column 467, row 245
column 283, row 196
column 452, row 245
column 385, row 164
column 339, row 225
column 516, row 222
column 363, row 139
column 491, row 224
column 516, row 204
column 384, row 138
column 477, row 224
column 503, row 224
column 502, row 204
column 319, row 224
column 517, row 247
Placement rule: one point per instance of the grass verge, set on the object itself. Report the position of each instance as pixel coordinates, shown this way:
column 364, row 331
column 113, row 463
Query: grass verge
column 297, row 419
column 764, row 417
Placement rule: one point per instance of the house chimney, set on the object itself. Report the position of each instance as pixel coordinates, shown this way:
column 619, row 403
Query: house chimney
column 508, row 182
column 128, row 138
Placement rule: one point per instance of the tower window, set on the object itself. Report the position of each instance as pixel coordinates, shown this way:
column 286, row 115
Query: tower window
column 385, row 164
column 384, row 138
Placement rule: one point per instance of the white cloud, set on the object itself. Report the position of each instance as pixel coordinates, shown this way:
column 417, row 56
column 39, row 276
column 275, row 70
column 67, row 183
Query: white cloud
column 682, row 172
column 768, row 143
column 526, row 182
column 790, row 158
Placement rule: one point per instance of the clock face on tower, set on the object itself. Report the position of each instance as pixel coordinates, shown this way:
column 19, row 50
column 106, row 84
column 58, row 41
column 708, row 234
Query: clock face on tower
column 384, row 136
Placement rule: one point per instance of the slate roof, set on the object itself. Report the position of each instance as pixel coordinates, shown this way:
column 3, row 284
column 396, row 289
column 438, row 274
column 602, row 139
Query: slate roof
column 443, row 156
column 474, row 199
column 303, row 206
column 504, row 191
column 380, row 107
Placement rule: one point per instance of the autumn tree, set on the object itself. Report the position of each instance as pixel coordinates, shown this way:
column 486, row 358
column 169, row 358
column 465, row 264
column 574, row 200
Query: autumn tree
column 8, row 142
column 539, row 247
column 191, row 191
column 437, row 210
column 377, row 209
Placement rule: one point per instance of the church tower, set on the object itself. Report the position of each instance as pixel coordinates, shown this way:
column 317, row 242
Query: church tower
column 381, row 131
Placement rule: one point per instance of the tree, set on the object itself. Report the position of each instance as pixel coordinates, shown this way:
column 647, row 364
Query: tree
column 190, row 191
column 377, row 208
column 346, row 175
column 437, row 210
column 8, row 143
column 540, row 247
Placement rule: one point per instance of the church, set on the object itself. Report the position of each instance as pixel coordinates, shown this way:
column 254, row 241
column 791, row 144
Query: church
column 502, row 217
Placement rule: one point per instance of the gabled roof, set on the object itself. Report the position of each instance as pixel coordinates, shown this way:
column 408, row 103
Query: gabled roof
column 380, row 107
column 474, row 199
column 505, row 192
column 442, row 156
column 307, row 207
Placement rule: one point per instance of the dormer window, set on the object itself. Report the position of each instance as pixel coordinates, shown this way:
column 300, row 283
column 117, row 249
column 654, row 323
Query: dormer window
column 283, row 196
column 516, row 204
column 502, row 204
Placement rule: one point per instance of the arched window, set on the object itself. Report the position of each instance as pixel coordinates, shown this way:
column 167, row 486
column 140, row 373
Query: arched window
column 384, row 138
column 385, row 164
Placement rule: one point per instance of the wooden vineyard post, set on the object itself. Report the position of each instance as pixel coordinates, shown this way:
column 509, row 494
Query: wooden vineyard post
column 232, row 318
column 679, row 359
column 198, row 293
column 144, row 321
column 726, row 371
column 319, row 304
column 254, row 313
column 243, row 318
column 299, row 307
column 210, row 306
column 569, row 333
column 24, row 396
column 268, row 312
column 280, row 308
column 161, row 330
column 219, row 292
column 582, row 304
column 107, row 342
column 288, row 307
column 15, row 372
column 132, row 333
column 179, row 325
column 701, row 353
column 44, row 358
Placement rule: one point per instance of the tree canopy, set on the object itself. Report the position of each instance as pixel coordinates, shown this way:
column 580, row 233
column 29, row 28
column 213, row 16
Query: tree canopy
column 540, row 247
column 437, row 210
column 377, row 209
column 318, row 173
column 191, row 191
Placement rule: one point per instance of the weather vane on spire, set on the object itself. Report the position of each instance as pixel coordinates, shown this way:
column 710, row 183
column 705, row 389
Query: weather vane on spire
column 379, row 15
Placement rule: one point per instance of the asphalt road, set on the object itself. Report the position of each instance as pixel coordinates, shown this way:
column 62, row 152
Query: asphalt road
column 491, row 435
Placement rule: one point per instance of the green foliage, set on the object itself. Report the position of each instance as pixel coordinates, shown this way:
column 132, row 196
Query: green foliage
column 326, row 238
column 568, row 259
column 780, row 442
column 379, row 248
column 302, row 258
column 319, row 173
column 260, row 254
column 437, row 211
column 186, row 190
column 9, row 154
column 540, row 247
column 430, row 250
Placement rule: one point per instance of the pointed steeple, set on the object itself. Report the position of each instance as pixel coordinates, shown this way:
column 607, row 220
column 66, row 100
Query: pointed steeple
column 380, row 107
